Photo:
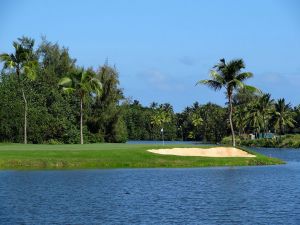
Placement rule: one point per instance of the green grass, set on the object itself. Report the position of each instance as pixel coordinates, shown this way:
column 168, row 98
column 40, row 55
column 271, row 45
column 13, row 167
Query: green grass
column 89, row 156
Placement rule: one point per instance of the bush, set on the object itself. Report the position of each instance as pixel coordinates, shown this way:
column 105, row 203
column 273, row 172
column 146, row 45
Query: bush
column 285, row 141
column 95, row 138
column 71, row 135
column 228, row 140
column 53, row 142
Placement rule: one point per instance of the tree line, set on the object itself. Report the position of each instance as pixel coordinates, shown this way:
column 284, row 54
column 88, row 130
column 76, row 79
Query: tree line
column 46, row 98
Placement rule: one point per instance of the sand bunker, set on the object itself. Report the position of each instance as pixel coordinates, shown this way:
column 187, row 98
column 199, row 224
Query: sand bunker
column 207, row 152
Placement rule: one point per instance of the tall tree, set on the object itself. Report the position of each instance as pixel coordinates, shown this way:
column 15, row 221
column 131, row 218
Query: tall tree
column 54, row 113
column 82, row 82
column 161, row 118
column 106, row 117
column 244, row 96
column 265, row 107
column 297, row 118
column 254, row 117
column 229, row 76
column 240, row 119
column 283, row 116
column 196, row 121
column 23, row 62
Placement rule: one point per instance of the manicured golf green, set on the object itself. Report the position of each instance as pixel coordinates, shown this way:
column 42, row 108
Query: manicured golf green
column 89, row 156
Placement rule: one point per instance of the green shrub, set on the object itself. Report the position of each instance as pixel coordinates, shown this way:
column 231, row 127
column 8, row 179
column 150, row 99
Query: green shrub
column 228, row 140
column 285, row 141
column 95, row 138
column 53, row 142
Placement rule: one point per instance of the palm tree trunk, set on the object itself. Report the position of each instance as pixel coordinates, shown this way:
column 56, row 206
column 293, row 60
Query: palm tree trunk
column 281, row 129
column 230, row 119
column 25, row 116
column 81, row 120
column 264, row 127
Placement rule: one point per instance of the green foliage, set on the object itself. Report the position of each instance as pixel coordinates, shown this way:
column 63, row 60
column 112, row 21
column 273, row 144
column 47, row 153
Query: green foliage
column 23, row 63
column 83, row 83
column 11, row 117
column 211, row 122
column 296, row 112
column 285, row 141
column 262, row 114
column 106, row 117
column 120, row 132
column 229, row 76
column 29, row 87
column 52, row 114
column 283, row 116
column 53, row 142
column 145, row 123
column 228, row 141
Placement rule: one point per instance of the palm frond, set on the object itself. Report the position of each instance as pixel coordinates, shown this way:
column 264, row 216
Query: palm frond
column 236, row 64
column 211, row 83
column 65, row 81
column 4, row 57
column 244, row 76
column 232, row 69
column 217, row 77
column 30, row 72
column 84, row 76
column 68, row 90
column 236, row 83
column 30, row 69
column 8, row 61
column 252, row 89
column 220, row 65
column 16, row 45
column 96, row 86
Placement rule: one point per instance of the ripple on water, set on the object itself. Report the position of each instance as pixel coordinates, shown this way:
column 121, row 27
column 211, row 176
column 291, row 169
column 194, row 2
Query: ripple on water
column 234, row 195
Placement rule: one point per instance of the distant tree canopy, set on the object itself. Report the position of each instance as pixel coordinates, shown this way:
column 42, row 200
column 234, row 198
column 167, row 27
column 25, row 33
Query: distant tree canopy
column 53, row 116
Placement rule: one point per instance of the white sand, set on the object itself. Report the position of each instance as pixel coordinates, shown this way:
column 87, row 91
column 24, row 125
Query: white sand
column 207, row 152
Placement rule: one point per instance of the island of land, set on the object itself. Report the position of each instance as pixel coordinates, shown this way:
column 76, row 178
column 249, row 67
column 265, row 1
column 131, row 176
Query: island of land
column 107, row 156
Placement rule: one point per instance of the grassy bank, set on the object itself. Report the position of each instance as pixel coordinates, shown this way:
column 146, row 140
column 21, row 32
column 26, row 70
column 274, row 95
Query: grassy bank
column 18, row 156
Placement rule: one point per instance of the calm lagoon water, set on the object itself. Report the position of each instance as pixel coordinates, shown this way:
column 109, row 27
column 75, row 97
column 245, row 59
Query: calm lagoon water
column 223, row 195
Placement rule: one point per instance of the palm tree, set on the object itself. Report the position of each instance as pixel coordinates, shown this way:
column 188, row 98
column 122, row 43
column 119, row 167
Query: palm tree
column 259, row 113
column 196, row 121
column 153, row 105
column 240, row 119
column 283, row 116
column 229, row 76
column 160, row 119
column 254, row 117
column 23, row 63
column 82, row 82
column 265, row 107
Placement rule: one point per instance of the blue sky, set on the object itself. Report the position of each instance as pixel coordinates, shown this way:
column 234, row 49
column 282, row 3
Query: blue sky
column 162, row 47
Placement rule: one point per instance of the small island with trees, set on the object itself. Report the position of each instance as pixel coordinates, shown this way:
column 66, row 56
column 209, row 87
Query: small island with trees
column 50, row 104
